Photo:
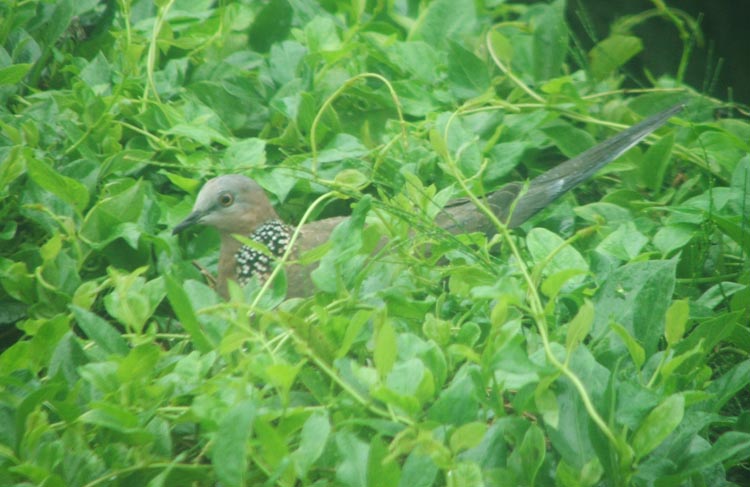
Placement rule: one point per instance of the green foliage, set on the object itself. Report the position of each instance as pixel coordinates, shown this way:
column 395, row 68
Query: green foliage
column 603, row 343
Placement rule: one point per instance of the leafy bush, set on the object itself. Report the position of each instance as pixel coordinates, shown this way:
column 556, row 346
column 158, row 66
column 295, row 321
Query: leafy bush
column 605, row 343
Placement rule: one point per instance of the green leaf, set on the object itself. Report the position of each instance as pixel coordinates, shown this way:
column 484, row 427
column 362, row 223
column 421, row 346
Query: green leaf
column 351, row 180
column 611, row 53
column 444, row 20
column 569, row 139
column 112, row 417
column 245, row 154
column 456, row 403
column 549, row 250
column 465, row 474
column 549, row 40
column 467, row 73
column 731, row 447
column 625, row 243
column 352, row 469
column 532, row 452
column 673, row 237
column 381, row 469
column 580, row 326
column 271, row 25
column 313, row 439
column 183, row 308
column 97, row 74
column 659, row 424
column 229, row 453
column 726, row 386
column 636, row 296
column 467, row 436
column 676, row 319
column 736, row 229
column 655, row 163
column 11, row 75
column 109, row 219
column 637, row 354
column 100, row 331
column 385, row 351
column 67, row 189
column 342, row 263
column 546, row 402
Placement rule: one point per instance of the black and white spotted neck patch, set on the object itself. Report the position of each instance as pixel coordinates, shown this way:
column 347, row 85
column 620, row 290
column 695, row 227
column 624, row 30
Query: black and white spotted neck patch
column 275, row 235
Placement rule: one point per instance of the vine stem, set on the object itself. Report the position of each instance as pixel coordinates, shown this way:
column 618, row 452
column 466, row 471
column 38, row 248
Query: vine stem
column 329, row 101
column 535, row 301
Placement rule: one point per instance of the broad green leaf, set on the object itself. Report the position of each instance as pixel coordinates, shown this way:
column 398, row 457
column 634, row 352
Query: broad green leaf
column 676, row 319
column 352, row 469
column 549, row 250
column 411, row 378
column 419, row 471
column 504, row 157
column 351, row 180
column 673, row 237
column 229, row 453
column 342, row 263
column 725, row 387
column 113, row 215
column 724, row 148
column 444, row 20
column 282, row 375
column 669, row 368
column 637, row 354
column 381, row 468
column 245, row 154
column 636, row 296
column 418, row 58
column 467, row 436
column 100, row 331
column 611, row 53
column 456, row 404
column 588, row 476
column 313, row 439
column 659, row 424
column 322, row 35
column 111, row 416
column 97, row 74
column 58, row 21
column 572, row 438
column 550, row 39
column 580, row 326
column 625, row 243
column 385, row 351
column 546, row 402
column 271, row 25
column 735, row 229
column 139, row 365
column 532, row 452
column 730, row 448
column 183, row 308
column 570, row 140
column 67, row 357
column 465, row 474
column 11, row 75
column 284, row 60
column 552, row 285
column 67, row 189
column 467, row 73
column 656, row 161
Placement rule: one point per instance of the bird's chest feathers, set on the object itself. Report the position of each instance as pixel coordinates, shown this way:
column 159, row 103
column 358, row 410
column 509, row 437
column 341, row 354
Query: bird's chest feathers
column 274, row 237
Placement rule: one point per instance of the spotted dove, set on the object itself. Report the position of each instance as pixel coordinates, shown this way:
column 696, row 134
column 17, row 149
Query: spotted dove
column 235, row 204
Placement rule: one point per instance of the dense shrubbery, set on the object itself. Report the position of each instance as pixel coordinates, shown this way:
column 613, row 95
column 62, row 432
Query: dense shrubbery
column 605, row 343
